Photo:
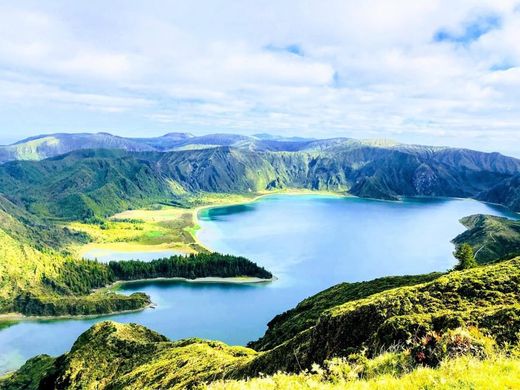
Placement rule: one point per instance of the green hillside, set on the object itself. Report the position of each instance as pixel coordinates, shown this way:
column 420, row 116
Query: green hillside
column 377, row 334
column 390, row 326
column 89, row 184
column 39, row 277
column 506, row 193
column 289, row 324
column 491, row 237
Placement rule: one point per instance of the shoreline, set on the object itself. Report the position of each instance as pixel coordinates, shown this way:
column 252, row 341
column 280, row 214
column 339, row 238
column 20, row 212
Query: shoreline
column 18, row 317
column 209, row 279
column 186, row 248
column 130, row 247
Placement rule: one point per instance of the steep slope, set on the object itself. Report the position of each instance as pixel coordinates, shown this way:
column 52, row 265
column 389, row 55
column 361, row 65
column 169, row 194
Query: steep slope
column 117, row 356
column 506, row 193
column 491, row 237
column 96, row 183
column 424, row 324
column 83, row 184
column 487, row 297
column 287, row 325
column 37, row 278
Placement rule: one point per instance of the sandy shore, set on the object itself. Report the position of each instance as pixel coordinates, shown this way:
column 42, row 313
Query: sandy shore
column 130, row 247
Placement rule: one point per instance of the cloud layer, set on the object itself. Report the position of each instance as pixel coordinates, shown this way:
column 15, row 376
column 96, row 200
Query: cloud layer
column 439, row 72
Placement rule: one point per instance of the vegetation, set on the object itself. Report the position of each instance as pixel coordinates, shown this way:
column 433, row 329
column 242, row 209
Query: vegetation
column 287, row 325
column 455, row 330
column 401, row 331
column 459, row 373
column 492, row 238
column 190, row 267
column 466, row 258
column 88, row 184
column 93, row 304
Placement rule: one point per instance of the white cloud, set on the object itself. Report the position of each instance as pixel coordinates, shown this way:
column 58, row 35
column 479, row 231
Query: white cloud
column 362, row 69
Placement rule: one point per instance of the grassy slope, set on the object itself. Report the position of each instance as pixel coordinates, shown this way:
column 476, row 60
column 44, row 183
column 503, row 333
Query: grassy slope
column 36, row 277
column 459, row 373
column 98, row 183
column 111, row 355
column 49, row 283
column 119, row 356
column 491, row 237
column 487, row 296
column 287, row 325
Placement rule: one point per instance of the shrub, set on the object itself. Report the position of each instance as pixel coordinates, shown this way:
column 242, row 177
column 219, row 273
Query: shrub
column 433, row 348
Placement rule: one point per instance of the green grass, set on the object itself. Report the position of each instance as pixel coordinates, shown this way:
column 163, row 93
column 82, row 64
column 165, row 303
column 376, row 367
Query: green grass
column 492, row 238
column 287, row 325
column 457, row 330
column 459, row 373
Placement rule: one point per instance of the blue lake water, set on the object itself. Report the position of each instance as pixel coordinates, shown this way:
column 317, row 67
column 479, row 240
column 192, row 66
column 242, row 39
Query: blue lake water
column 309, row 242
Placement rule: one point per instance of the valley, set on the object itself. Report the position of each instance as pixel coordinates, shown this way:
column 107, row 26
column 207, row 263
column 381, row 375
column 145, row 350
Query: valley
column 311, row 213
column 303, row 265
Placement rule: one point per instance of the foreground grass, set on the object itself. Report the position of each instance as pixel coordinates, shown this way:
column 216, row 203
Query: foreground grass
column 460, row 373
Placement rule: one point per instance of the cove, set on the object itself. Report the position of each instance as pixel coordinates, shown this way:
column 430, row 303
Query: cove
column 309, row 242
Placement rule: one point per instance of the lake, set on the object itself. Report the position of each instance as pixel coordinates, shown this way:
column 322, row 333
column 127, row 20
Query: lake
column 309, row 242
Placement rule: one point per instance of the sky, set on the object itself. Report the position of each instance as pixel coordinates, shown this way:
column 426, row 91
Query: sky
column 430, row 72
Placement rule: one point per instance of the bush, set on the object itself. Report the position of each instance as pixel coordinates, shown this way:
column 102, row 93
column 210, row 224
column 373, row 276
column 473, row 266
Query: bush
column 433, row 348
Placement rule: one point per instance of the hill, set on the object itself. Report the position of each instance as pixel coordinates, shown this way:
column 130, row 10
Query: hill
column 491, row 237
column 98, row 183
column 39, row 277
column 506, row 193
column 380, row 332
column 44, row 146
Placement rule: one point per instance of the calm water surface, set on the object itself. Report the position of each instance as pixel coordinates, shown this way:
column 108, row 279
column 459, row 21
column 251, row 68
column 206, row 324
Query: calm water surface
column 309, row 242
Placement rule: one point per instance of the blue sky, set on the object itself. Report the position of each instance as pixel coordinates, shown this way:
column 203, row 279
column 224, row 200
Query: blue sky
column 431, row 72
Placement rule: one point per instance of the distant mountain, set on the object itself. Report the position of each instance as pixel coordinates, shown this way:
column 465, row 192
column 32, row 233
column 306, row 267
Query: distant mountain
column 41, row 147
column 88, row 183
column 45, row 146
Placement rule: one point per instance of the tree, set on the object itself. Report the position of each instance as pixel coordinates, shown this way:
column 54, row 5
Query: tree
column 464, row 254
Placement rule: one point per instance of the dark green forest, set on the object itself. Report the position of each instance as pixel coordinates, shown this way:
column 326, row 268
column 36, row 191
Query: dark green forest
column 190, row 267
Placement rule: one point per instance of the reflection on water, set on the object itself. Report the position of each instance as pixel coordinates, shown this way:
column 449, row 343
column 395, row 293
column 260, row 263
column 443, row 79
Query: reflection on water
column 309, row 242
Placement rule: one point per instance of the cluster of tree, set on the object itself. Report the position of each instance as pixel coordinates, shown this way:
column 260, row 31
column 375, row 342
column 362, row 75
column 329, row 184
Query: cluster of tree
column 44, row 305
column 79, row 277
column 69, row 292
column 190, row 267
